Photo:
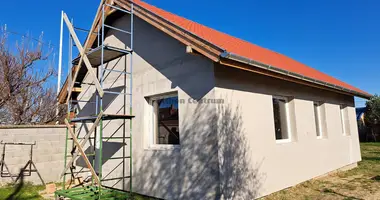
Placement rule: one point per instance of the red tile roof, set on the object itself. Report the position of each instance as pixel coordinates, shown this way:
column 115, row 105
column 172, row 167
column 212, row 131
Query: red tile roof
column 243, row 48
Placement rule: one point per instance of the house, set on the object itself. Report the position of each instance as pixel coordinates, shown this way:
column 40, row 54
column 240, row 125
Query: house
column 216, row 117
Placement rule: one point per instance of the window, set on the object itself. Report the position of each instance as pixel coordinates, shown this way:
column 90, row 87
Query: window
column 281, row 119
column 165, row 127
column 318, row 119
column 344, row 120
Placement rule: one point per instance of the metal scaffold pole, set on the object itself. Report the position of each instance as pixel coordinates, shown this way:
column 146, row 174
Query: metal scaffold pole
column 130, row 105
column 60, row 56
column 101, row 101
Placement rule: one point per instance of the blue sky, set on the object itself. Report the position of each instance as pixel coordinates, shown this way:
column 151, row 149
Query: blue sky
column 339, row 37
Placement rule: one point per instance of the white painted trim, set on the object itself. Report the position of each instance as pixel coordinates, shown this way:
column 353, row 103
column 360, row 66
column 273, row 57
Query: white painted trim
column 147, row 121
column 162, row 96
column 288, row 122
column 282, row 141
column 342, row 119
column 150, row 123
column 319, row 119
column 168, row 92
column 164, row 147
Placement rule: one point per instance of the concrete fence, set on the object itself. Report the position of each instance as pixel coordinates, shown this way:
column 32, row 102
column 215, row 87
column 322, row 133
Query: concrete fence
column 48, row 153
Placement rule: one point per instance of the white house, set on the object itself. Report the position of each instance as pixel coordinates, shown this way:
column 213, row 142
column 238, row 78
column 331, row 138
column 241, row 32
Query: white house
column 217, row 117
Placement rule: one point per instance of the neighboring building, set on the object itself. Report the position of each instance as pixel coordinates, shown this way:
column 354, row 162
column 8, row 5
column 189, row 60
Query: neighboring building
column 218, row 117
column 366, row 133
column 360, row 112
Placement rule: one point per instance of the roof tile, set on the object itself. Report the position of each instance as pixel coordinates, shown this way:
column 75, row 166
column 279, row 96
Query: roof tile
column 246, row 49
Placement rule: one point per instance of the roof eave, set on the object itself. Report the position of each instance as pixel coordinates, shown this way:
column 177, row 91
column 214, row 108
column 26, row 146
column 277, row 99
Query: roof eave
column 217, row 53
column 241, row 59
column 224, row 54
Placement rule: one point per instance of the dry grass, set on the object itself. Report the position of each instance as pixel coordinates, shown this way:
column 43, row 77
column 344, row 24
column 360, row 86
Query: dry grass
column 362, row 182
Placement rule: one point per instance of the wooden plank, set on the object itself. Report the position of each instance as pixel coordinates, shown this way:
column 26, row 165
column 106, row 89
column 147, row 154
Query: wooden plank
column 90, row 40
column 82, row 153
column 83, row 56
column 83, row 142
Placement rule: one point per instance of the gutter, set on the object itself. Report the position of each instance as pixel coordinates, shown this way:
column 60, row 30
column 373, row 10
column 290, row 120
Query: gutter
column 235, row 57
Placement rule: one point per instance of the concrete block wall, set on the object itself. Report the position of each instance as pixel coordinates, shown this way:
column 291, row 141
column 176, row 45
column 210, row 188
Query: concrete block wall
column 48, row 153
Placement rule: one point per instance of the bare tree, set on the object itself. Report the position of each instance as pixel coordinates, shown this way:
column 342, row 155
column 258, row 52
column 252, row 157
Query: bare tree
column 25, row 96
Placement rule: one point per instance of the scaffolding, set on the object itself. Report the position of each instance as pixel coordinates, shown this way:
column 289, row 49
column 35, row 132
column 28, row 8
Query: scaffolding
column 93, row 62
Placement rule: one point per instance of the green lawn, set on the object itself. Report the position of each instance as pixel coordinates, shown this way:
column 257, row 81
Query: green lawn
column 362, row 182
column 31, row 192
column 28, row 192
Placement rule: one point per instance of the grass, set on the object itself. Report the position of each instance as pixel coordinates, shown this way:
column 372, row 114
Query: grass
column 362, row 182
column 28, row 192
column 31, row 192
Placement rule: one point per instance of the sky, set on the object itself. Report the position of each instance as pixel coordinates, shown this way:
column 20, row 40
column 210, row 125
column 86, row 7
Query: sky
column 340, row 37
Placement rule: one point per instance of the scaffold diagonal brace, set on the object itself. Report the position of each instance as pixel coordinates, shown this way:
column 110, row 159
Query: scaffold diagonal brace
column 96, row 178
column 83, row 142
column 83, row 58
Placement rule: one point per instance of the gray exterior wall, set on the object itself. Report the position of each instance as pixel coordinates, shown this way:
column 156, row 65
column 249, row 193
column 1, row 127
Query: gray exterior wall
column 276, row 166
column 160, row 65
column 47, row 153
column 227, row 151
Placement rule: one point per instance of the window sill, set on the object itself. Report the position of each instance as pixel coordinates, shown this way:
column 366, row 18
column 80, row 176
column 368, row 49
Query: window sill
column 283, row 141
column 346, row 135
column 163, row 147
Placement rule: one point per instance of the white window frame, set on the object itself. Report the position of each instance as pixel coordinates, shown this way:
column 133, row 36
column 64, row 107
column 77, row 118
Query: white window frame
column 288, row 123
column 152, row 120
column 342, row 110
column 319, row 119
